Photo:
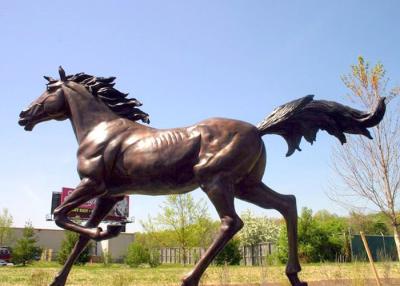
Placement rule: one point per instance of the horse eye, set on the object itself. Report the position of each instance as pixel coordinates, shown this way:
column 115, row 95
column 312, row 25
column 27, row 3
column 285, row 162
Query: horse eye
column 51, row 88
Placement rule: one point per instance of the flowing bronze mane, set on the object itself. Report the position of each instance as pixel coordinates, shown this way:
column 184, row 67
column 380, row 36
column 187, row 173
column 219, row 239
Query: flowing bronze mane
column 103, row 88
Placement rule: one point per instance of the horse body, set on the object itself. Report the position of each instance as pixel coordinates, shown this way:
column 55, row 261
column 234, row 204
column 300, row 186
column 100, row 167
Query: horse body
column 141, row 160
column 226, row 158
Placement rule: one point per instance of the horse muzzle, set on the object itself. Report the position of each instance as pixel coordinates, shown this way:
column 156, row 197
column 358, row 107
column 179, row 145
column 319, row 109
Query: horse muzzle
column 26, row 123
column 28, row 118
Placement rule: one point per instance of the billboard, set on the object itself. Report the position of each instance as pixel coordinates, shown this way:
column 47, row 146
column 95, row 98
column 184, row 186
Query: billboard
column 119, row 213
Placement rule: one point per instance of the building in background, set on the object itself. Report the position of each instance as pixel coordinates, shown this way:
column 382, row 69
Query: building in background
column 50, row 241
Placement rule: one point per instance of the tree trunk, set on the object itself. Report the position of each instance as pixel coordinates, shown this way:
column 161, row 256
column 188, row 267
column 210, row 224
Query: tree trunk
column 397, row 240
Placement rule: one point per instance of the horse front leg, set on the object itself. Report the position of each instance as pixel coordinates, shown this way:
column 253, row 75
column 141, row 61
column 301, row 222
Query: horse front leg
column 103, row 207
column 222, row 196
column 87, row 189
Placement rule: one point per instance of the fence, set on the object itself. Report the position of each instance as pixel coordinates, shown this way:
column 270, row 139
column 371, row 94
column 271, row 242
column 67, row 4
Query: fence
column 175, row 255
column 251, row 255
column 257, row 254
column 382, row 247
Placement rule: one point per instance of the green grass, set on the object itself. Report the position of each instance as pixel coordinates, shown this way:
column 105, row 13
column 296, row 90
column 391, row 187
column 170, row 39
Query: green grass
column 121, row 275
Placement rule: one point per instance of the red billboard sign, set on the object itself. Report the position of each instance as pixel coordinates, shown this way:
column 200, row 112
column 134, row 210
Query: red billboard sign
column 119, row 213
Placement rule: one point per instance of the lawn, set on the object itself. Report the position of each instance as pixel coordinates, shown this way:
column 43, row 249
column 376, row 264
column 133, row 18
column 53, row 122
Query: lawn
column 115, row 275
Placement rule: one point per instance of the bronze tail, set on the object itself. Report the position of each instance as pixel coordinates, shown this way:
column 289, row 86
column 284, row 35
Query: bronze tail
column 305, row 116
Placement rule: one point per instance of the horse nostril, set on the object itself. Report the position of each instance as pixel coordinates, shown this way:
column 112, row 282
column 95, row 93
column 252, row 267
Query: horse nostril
column 23, row 112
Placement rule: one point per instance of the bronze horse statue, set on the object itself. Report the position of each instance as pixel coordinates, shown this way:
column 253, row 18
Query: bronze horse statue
column 226, row 158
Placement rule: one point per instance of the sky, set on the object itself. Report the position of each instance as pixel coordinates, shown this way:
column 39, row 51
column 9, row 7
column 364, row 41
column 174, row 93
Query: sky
column 186, row 61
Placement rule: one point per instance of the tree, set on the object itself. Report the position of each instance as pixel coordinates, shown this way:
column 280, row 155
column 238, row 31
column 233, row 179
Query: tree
column 25, row 249
column 6, row 221
column 257, row 230
column 186, row 221
column 369, row 169
column 373, row 223
column 154, row 238
column 67, row 245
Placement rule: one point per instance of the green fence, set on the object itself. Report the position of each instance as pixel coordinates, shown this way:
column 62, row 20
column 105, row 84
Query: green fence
column 382, row 247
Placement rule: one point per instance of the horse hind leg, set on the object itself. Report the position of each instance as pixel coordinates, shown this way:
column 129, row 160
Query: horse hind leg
column 221, row 194
column 103, row 207
column 261, row 195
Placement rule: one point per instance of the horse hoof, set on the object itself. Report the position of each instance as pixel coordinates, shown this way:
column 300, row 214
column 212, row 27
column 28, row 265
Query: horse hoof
column 57, row 282
column 295, row 281
column 114, row 229
column 189, row 281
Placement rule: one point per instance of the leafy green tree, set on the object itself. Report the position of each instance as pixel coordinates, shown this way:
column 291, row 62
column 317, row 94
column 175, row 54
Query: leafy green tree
column 374, row 223
column 204, row 230
column 25, row 249
column 182, row 222
column 156, row 239
column 6, row 221
column 310, row 237
column 257, row 230
column 335, row 227
column 66, row 247
column 230, row 254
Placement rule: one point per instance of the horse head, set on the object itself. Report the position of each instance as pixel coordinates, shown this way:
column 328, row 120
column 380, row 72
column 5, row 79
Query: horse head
column 50, row 105
column 53, row 103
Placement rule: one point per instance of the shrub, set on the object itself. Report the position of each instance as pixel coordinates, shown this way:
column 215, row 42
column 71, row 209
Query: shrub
column 230, row 254
column 154, row 258
column 137, row 255
column 319, row 237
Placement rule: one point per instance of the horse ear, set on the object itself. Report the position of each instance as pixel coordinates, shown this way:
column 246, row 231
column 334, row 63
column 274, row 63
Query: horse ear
column 61, row 71
column 49, row 78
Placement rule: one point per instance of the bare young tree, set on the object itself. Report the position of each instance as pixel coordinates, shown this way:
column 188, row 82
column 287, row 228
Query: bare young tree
column 370, row 169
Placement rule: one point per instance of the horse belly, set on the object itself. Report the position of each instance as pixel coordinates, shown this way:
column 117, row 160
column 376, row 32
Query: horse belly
column 149, row 169
column 160, row 181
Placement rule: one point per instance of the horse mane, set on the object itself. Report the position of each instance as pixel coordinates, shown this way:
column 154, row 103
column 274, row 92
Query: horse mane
column 103, row 88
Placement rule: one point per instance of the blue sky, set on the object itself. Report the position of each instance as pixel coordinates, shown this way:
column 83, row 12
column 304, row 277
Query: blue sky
column 186, row 61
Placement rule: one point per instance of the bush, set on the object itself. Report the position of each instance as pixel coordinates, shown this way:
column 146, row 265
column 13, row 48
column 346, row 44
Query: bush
column 137, row 255
column 154, row 258
column 230, row 254
column 320, row 237
column 66, row 247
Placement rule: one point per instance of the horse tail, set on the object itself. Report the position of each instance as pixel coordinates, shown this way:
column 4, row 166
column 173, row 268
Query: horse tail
column 305, row 116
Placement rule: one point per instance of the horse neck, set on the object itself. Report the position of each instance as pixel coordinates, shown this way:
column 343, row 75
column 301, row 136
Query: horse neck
column 86, row 111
